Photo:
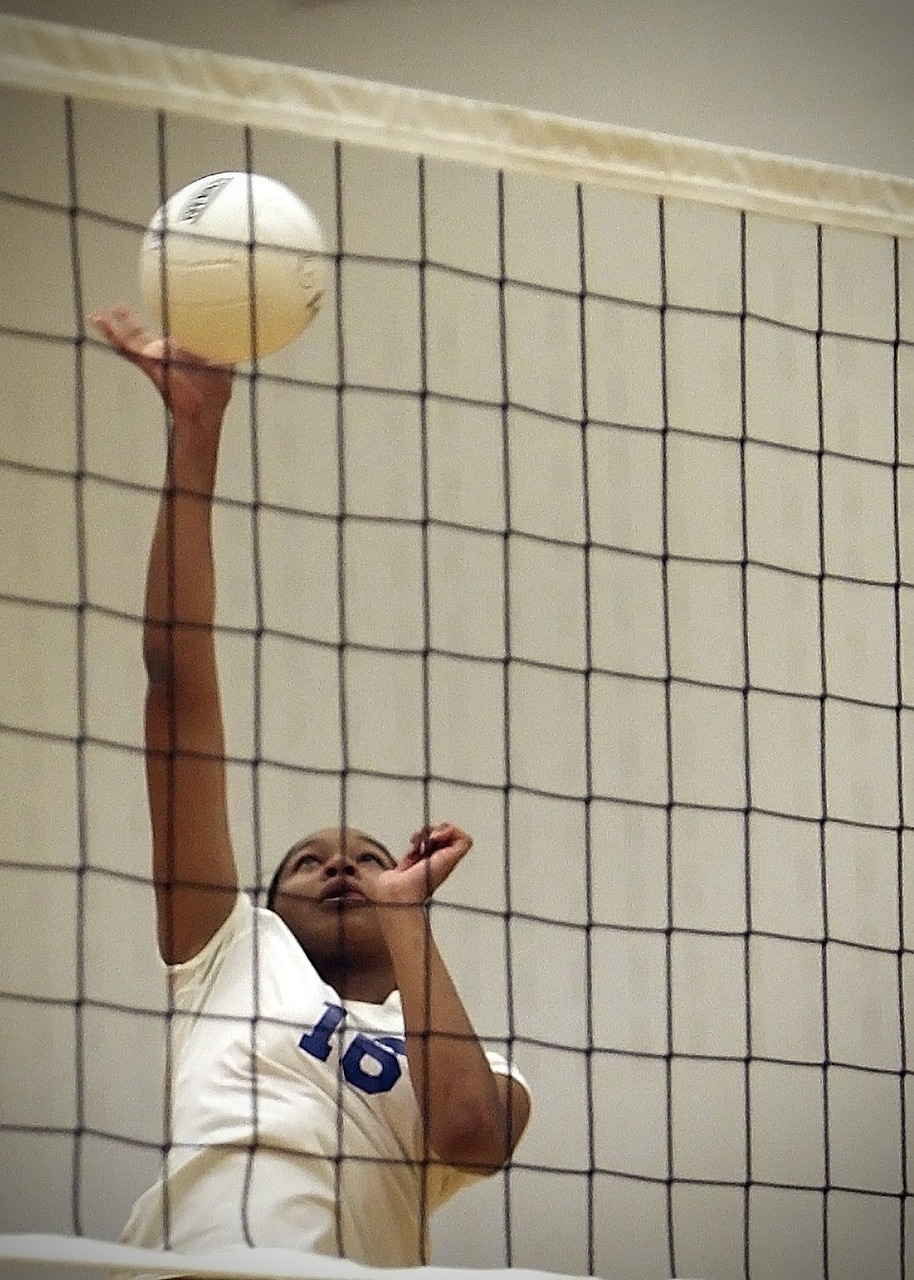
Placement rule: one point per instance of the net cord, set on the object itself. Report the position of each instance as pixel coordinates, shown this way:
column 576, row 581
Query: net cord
column 81, row 666
column 170, row 495
column 823, row 752
column 746, row 730
column 257, row 691
column 589, row 1100
column 663, row 310
column 422, row 209
column 342, row 625
column 900, row 771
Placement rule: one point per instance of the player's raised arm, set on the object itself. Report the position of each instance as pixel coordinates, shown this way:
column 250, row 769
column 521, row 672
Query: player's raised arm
column 193, row 862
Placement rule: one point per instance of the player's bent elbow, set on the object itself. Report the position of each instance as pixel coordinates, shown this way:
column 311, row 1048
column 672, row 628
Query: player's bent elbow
column 478, row 1153
column 480, row 1142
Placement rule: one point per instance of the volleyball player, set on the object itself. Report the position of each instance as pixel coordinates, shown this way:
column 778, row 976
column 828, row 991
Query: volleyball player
column 327, row 1088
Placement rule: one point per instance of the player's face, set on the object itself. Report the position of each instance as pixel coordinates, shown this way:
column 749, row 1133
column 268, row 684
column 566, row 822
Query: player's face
column 321, row 894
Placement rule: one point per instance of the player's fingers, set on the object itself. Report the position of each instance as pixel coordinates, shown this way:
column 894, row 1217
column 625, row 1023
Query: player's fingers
column 438, row 838
column 135, row 345
column 120, row 325
column 418, row 840
column 446, row 833
column 129, row 335
column 106, row 327
column 446, row 828
column 127, row 323
column 441, row 863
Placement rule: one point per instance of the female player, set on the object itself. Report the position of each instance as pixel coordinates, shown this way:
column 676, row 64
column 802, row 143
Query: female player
column 327, row 1089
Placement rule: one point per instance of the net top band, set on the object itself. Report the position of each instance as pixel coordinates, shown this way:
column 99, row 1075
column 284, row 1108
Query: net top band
column 55, row 58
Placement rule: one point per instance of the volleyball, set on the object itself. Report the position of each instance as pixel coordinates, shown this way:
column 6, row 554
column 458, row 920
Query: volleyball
column 233, row 266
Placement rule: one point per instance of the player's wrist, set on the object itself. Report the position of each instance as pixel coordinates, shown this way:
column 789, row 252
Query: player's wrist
column 201, row 427
column 194, row 454
column 403, row 923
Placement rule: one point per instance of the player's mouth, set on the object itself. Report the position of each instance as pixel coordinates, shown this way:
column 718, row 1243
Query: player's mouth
column 343, row 897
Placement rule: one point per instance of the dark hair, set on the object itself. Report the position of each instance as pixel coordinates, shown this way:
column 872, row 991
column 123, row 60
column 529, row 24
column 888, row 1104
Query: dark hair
column 273, row 887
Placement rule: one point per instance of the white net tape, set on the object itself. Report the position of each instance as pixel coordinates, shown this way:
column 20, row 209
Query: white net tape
column 115, row 68
column 262, row 1264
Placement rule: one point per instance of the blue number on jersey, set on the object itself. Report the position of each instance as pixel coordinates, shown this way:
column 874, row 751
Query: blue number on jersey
column 382, row 1051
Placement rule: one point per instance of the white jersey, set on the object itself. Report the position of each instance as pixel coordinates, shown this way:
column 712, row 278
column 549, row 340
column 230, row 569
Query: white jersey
column 293, row 1120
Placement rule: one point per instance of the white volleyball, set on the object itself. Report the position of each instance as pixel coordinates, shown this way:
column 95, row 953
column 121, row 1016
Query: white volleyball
column 232, row 266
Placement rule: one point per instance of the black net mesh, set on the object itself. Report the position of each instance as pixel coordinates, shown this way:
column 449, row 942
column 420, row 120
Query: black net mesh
column 579, row 517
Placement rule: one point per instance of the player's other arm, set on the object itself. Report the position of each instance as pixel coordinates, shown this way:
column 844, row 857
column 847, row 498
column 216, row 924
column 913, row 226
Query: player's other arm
column 472, row 1115
column 193, row 862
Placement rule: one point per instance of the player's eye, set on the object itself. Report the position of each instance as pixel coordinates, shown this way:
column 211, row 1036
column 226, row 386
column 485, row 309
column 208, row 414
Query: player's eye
column 306, row 861
column 368, row 856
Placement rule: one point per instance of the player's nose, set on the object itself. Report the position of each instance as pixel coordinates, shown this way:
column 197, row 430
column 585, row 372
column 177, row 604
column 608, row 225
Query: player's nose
column 339, row 862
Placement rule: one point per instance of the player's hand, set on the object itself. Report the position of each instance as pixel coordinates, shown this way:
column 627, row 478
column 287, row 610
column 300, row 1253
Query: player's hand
column 192, row 388
column 431, row 856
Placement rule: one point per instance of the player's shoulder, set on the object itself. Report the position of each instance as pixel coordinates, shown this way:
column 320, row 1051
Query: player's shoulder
column 245, row 921
column 251, row 940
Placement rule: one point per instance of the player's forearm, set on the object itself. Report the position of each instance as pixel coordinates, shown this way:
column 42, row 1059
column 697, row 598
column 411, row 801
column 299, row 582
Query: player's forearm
column 464, row 1119
column 180, row 585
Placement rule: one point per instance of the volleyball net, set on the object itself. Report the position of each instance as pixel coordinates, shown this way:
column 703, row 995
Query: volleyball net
column 580, row 516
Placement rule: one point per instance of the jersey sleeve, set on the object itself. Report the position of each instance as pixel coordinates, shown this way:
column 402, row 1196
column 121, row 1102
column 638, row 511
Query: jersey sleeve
column 502, row 1067
column 191, row 979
